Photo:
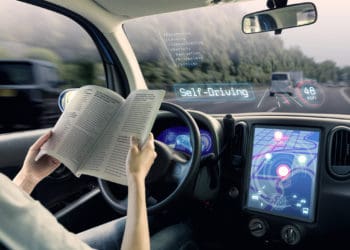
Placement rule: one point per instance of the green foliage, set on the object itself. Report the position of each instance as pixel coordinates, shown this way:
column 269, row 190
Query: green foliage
column 245, row 61
column 74, row 74
column 43, row 54
column 3, row 54
column 344, row 74
column 82, row 73
column 328, row 71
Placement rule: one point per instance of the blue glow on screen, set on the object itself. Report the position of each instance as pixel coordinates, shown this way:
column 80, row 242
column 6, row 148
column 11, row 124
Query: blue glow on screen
column 283, row 172
column 178, row 138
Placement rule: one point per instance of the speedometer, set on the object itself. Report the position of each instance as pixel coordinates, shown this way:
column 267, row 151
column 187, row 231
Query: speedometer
column 178, row 138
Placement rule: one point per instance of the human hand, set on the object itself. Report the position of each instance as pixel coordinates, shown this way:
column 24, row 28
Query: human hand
column 32, row 172
column 140, row 160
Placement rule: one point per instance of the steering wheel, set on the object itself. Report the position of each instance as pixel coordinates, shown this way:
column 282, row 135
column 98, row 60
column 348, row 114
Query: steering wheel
column 169, row 167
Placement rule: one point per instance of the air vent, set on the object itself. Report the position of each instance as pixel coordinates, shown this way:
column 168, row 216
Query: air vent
column 339, row 153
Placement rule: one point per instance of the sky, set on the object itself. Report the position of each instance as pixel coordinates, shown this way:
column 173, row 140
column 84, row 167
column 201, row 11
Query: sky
column 328, row 38
column 24, row 26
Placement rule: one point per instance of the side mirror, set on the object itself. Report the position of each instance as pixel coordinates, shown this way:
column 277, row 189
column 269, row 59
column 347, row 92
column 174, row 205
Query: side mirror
column 281, row 18
column 64, row 98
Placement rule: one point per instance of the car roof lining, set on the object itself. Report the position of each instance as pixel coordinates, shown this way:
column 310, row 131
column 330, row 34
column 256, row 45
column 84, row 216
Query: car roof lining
column 136, row 8
column 107, row 14
column 133, row 8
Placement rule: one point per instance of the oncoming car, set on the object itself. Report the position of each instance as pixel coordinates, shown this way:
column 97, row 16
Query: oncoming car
column 28, row 93
column 253, row 135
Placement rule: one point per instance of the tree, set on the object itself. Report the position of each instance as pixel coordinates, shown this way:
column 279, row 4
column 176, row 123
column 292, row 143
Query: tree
column 327, row 71
column 43, row 54
column 3, row 54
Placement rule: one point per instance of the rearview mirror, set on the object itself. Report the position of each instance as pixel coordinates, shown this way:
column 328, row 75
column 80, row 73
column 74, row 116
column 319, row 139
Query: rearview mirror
column 281, row 18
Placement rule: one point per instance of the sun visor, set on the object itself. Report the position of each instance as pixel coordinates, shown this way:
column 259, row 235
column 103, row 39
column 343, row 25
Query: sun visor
column 136, row 8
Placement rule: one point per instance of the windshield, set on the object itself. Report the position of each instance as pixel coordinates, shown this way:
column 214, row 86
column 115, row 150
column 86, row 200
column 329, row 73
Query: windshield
column 279, row 77
column 15, row 73
column 205, row 62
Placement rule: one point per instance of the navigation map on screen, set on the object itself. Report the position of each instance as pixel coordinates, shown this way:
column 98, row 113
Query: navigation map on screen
column 283, row 172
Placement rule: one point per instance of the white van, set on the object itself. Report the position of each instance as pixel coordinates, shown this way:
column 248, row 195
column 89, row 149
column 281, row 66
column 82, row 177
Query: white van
column 284, row 82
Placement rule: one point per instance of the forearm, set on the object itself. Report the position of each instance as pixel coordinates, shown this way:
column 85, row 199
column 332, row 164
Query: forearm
column 26, row 224
column 25, row 182
column 136, row 235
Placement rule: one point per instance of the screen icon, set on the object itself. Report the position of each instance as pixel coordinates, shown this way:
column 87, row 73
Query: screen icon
column 305, row 210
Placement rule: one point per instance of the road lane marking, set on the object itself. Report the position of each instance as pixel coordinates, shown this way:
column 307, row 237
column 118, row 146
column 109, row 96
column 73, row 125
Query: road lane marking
column 278, row 101
column 344, row 95
column 285, row 100
column 293, row 99
column 273, row 109
column 262, row 98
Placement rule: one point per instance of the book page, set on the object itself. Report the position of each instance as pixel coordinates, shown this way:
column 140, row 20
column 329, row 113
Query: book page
column 139, row 113
column 109, row 162
column 81, row 124
column 135, row 118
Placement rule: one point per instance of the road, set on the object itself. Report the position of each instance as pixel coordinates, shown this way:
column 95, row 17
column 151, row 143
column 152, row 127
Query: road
column 331, row 100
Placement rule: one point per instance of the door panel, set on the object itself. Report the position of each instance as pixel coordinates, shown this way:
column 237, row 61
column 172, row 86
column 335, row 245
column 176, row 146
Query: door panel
column 14, row 146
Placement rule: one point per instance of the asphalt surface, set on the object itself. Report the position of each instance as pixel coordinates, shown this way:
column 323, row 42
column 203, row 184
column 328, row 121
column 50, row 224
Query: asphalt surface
column 328, row 100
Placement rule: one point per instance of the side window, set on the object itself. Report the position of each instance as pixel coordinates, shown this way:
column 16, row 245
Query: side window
column 50, row 76
column 41, row 53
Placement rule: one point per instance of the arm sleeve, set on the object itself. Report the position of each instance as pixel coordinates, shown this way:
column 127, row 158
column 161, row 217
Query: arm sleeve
column 26, row 224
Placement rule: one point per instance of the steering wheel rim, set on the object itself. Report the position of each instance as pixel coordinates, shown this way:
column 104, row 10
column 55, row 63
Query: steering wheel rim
column 192, row 166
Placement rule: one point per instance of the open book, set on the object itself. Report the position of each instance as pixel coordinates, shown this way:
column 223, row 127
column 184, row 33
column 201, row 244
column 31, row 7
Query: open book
column 92, row 136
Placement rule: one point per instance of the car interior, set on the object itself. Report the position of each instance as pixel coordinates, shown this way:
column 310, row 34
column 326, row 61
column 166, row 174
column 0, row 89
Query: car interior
column 244, row 167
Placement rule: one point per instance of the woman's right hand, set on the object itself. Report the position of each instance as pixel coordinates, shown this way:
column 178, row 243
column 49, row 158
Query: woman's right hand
column 140, row 160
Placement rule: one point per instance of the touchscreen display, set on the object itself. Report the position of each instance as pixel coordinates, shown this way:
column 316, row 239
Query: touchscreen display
column 283, row 172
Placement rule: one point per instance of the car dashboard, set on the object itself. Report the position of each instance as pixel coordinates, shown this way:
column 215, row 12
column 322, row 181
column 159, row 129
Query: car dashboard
column 284, row 178
column 178, row 138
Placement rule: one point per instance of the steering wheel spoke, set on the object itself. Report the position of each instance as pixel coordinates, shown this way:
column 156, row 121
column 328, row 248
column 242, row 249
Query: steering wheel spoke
column 178, row 172
column 180, row 158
